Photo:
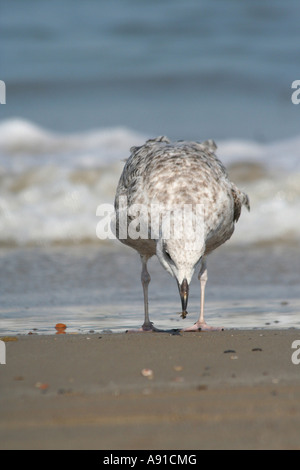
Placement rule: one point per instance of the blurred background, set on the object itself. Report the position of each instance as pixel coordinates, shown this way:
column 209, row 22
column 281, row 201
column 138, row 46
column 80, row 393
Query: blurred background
column 86, row 80
column 191, row 70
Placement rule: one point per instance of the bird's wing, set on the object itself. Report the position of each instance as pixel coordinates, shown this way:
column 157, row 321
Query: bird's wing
column 239, row 198
column 135, row 165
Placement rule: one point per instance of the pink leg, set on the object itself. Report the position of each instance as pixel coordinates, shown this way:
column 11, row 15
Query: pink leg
column 201, row 324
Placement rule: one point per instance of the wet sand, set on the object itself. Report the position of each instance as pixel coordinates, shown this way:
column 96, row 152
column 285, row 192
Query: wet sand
column 234, row 389
column 97, row 287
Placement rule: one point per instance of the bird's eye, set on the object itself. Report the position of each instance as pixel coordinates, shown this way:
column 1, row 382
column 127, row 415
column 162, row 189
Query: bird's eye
column 168, row 255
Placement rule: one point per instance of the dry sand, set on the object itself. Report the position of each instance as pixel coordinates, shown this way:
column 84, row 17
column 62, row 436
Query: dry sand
column 222, row 390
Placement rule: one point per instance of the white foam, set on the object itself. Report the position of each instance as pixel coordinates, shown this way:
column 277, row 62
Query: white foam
column 280, row 155
column 52, row 184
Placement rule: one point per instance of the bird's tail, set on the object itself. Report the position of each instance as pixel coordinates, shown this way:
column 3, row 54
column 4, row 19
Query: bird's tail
column 240, row 199
column 245, row 200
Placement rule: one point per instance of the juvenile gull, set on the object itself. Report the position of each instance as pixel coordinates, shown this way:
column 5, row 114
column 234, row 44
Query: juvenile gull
column 160, row 177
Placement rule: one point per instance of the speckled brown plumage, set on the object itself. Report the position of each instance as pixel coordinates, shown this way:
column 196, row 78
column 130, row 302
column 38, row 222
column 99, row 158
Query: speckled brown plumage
column 175, row 174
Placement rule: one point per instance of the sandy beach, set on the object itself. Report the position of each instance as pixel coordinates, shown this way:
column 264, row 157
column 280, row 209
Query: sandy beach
column 98, row 387
column 234, row 389
column 82, row 83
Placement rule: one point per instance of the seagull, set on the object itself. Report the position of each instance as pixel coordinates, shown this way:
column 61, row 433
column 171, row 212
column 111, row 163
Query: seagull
column 175, row 200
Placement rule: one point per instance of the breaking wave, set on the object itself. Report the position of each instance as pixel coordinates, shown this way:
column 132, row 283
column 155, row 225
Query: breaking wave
column 52, row 184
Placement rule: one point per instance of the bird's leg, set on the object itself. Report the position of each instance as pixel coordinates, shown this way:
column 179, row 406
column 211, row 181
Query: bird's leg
column 202, row 276
column 145, row 278
column 201, row 324
column 148, row 325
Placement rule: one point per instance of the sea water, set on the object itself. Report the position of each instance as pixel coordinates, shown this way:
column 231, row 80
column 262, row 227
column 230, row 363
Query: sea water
column 96, row 289
column 52, row 183
column 193, row 69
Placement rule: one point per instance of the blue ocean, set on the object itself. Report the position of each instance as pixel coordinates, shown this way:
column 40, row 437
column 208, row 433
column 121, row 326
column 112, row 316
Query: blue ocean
column 191, row 70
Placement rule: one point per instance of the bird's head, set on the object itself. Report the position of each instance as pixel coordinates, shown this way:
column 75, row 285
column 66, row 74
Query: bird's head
column 180, row 259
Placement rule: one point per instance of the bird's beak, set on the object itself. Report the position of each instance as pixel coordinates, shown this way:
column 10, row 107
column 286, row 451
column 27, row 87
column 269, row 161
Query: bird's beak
column 184, row 295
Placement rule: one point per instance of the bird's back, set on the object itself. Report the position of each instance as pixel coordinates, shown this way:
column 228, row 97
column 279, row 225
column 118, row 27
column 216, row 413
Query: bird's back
column 179, row 173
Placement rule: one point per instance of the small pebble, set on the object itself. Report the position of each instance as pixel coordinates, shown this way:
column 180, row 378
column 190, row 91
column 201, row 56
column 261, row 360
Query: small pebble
column 200, row 388
column 42, row 386
column 64, row 391
column 178, row 379
column 147, row 373
column 229, row 351
column 60, row 326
